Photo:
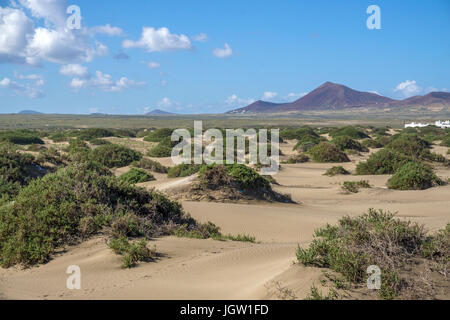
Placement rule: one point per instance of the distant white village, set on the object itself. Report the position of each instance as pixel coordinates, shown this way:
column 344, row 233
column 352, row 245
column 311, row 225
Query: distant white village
column 440, row 124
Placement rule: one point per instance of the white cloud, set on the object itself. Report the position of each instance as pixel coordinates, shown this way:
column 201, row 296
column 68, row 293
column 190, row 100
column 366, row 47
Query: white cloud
column 23, row 43
column 202, row 37
column 164, row 103
column 269, row 95
column 28, row 76
column 157, row 40
column 104, row 82
column 29, row 89
column 235, row 101
column 53, row 11
column 74, row 70
column 294, row 96
column 408, row 88
column 108, row 30
column 153, row 65
column 223, row 53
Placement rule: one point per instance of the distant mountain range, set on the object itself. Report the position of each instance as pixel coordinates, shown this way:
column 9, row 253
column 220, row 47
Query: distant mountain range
column 332, row 96
column 158, row 112
column 29, row 112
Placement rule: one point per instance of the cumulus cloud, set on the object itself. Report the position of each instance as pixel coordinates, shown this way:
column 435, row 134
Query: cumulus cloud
column 408, row 88
column 104, row 82
column 235, row 101
column 269, row 95
column 153, row 65
column 158, row 40
column 223, row 53
column 31, row 88
column 165, row 103
column 74, row 70
column 108, row 30
column 294, row 96
column 202, row 37
column 21, row 42
column 82, row 79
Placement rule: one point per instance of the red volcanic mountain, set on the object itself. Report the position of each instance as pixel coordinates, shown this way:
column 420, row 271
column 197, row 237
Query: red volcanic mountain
column 332, row 96
column 427, row 100
column 335, row 96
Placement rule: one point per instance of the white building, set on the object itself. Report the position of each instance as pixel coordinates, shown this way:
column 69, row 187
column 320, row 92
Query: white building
column 416, row 125
column 442, row 124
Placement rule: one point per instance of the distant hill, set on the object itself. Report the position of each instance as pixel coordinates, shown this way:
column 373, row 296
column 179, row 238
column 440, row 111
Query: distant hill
column 332, row 96
column 29, row 112
column 158, row 112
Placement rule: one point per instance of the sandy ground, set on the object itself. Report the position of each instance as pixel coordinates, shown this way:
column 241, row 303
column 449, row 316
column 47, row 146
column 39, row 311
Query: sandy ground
column 208, row 269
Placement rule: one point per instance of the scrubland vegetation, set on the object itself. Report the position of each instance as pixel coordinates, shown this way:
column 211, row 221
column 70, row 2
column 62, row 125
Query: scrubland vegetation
column 60, row 193
column 379, row 238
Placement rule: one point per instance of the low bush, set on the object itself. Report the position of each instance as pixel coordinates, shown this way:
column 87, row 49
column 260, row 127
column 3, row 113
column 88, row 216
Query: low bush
column 158, row 135
column 327, row 152
column 300, row 158
column 134, row 176
column 414, row 176
column 15, row 170
column 349, row 131
column 99, row 142
column 114, row 156
column 370, row 143
column 446, row 141
column 377, row 238
column 336, row 171
column 183, row 170
column 354, row 186
column 21, row 137
column 411, row 146
column 160, row 151
column 346, row 143
column 73, row 204
column 132, row 252
column 149, row 164
column 298, row 133
column 382, row 162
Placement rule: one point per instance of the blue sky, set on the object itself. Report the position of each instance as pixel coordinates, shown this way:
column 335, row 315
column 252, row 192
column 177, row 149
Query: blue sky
column 214, row 56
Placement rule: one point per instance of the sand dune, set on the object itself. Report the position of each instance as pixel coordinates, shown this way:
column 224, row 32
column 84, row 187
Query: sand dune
column 208, row 269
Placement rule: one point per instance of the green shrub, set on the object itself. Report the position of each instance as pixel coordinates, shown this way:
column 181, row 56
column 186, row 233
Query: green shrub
column 114, row 156
column 183, row 170
column 58, row 137
column 375, row 238
column 382, row 162
column 354, row 186
column 327, row 152
column 446, row 141
column 300, row 158
column 15, row 170
column 134, row 176
column 414, row 176
column 410, row 145
column 158, row 135
column 305, row 146
column 336, row 171
column 349, row 131
column 160, row 151
column 22, row 137
column 370, row 143
column 132, row 252
column 151, row 165
column 57, row 209
column 247, row 178
column 298, row 133
column 99, row 142
column 346, row 143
